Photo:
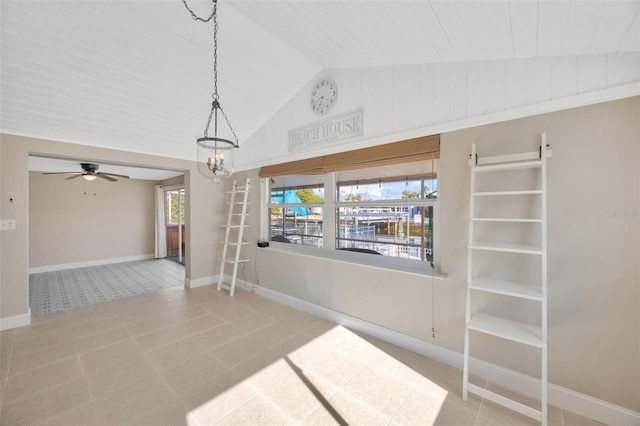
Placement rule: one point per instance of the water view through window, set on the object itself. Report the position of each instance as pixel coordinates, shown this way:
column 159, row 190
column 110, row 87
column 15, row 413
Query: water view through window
column 390, row 217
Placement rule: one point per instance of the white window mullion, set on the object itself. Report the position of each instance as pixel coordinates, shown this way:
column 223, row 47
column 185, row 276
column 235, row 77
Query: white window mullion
column 329, row 213
column 265, row 198
column 436, row 236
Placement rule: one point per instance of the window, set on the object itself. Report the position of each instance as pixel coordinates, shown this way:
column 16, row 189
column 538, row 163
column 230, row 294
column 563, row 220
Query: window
column 392, row 217
column 380, row 203
column 296, row 213
column 386, row 210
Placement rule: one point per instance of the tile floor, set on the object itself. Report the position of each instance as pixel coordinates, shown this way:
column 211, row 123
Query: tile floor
column 58, row 291
column 196, row 357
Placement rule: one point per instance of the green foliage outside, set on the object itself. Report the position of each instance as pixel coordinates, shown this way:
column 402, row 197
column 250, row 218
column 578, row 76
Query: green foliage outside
column 171, row 207
column 410, row 194
column 308, row 196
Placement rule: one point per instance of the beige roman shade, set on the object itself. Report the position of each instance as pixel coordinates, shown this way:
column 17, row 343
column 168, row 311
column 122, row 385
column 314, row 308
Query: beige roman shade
column 424, row 148
column 309, row 166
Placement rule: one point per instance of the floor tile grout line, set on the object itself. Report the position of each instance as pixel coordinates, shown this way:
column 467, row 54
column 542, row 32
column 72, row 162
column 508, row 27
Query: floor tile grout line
column 404, row 399
column 414, row 386
column 22, row 399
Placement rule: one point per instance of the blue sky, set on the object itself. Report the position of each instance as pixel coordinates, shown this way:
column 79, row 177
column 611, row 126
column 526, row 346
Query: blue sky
column 387, row 190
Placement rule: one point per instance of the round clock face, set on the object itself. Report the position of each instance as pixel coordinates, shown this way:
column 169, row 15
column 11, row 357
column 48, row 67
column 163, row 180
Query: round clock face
column 324, row 96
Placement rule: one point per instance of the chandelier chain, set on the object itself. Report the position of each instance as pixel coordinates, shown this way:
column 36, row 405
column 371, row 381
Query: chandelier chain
column 235, row 137
column 206, row 129
column 196, row 17
column 215, row 52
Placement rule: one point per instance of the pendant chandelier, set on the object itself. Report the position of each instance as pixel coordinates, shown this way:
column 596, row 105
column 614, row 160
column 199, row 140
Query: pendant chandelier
column 211, row 161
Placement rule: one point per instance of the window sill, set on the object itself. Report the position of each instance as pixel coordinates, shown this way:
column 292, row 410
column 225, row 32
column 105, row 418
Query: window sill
column 405, row 266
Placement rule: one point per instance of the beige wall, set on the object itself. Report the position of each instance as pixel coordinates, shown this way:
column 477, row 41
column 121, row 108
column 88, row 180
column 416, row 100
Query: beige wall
column 78, row 221
column 594, row 290
column 204, row 211
column 594, row 278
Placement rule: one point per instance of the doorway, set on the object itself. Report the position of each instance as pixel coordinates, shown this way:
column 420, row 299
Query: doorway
column 175, row 220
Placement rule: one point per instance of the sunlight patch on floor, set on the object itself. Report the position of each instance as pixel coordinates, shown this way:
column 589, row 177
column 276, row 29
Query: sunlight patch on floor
column 331, row 376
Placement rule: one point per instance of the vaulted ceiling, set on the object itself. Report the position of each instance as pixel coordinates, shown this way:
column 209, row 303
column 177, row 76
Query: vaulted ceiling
column 137, row 75
column 368, row 33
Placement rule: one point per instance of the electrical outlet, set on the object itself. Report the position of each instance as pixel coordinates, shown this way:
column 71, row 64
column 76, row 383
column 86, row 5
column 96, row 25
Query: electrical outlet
column 8, row 224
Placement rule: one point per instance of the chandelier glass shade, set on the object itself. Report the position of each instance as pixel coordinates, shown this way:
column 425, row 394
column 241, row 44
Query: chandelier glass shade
column 212, row 163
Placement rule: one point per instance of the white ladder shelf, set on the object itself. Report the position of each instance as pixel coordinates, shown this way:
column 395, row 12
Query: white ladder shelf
column 505, row 328
column 234, row 232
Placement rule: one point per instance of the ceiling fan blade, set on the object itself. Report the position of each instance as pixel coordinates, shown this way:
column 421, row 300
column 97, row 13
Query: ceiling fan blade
column 62, row 173
column 73, row 177
column 113, row 174
column 104, row 176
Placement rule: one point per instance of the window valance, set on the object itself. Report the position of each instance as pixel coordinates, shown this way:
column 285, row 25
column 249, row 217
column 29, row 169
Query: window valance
column 423, row 148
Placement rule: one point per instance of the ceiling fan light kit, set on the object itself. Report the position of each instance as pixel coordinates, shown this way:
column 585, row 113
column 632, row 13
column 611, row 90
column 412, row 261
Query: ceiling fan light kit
column 211, row 161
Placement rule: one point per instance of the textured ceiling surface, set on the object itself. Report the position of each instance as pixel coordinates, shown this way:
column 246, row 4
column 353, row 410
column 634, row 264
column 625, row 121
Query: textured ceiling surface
column 137, row 75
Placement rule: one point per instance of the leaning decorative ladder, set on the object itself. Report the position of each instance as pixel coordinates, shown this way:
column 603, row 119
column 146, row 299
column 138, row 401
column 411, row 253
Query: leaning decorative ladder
column 511, row 200
column 234, row 231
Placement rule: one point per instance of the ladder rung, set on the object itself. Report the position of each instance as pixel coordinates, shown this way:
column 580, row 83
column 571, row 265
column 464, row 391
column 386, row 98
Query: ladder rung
column 500, row 193
column 507, row 329
column 506, row 247
column 505, row 219
column 238, row 190
column 508, row 166
column 235, row 226
column 238, row 202
column 505, row 402
column 506, row 288
column 509, row 158
column 232, row 260
column 240, row 214
column 225, row 286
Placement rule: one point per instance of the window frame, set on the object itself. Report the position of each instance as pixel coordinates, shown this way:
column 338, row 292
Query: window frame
column 285, row 205
column 410, row 202
column 329, row 250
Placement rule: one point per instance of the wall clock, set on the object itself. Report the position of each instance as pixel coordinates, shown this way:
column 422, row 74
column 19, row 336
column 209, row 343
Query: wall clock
column 323, row 96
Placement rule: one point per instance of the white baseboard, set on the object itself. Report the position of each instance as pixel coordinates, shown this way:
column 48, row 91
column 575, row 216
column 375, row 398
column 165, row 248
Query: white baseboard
column 61, row 267
column 199, row 282
column 575, row 402
column 15, row 321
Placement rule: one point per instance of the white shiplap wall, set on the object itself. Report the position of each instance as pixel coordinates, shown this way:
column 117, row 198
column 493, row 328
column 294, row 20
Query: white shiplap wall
column 405, row 101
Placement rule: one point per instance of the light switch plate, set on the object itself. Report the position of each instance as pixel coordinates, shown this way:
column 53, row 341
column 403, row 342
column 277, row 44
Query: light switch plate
column 8, row 224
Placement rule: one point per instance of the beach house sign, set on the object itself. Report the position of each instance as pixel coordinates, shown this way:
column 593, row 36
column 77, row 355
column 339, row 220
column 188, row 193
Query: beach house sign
column 335, row 129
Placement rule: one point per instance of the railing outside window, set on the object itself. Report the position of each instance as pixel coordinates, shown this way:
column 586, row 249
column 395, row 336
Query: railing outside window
column 392, row 217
